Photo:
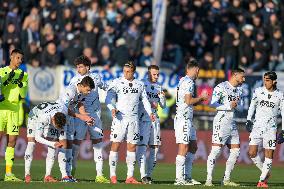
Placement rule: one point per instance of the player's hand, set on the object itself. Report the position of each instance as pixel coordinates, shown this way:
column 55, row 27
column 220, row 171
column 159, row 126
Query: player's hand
column 91, row 123
column 161, row 94
column 234, row 104
column 58, row 145
column 10, row 77
column 86, row 117
column 204, row 96
column 114, row 112
column 249, row 125
column 154, row 105
column 152, row 117
column 2, row 98
column 280, row 138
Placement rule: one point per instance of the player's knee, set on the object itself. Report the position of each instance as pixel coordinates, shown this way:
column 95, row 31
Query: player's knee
column 252, row 153
column 235, row 151
column 193, row 149
column 215, row 152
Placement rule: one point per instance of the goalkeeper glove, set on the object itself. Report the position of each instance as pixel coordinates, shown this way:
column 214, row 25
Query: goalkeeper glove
column 280, row 138
column 249, row 125
column 10, row 77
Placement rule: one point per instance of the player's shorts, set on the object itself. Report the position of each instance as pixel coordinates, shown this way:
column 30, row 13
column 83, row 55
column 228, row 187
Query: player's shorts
column 183, row 129
column 49, row 132
column 125, row 128
column 9, row 122
column 150, row 133
column 81, row 128
column 225, row 131
column 264, row 138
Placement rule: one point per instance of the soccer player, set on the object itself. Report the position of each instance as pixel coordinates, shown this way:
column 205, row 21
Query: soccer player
column 266, row 103
column 93, row 107
column 46, row 125
column 150, row 131
column 227, row 99
column 127, row 91
column 184, row 131
column 73, row 98
column 14, row 88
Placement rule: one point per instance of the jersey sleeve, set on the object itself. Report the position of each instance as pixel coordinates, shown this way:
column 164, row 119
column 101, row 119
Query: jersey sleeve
column 282, row 110
column 162, row 99
column 101, row 84
column 145, row 101
column 39, row 133
column 217, row 100
column 111, row 93
column 252, row 106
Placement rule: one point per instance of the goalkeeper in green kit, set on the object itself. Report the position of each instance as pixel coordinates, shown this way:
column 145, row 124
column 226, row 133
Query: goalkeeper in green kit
column 14, row 86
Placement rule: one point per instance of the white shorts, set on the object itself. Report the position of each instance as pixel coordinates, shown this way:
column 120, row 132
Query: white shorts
column 81, row 128
column 183, row 129
column 150, row 133
column 49, row 132
column 267, row 138
column 124, row 128
column 225, row 131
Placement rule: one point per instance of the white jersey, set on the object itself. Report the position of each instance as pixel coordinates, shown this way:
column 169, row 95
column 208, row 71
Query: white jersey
column 42, row 114
column 185, row 86
column 154, row 95
column 267, row 107
column 128, row 95
column 70, row 97
column 223, row 94
column 91, row 101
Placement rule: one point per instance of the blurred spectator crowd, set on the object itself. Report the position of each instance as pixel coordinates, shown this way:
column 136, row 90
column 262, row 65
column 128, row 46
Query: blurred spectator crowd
column 222, row 34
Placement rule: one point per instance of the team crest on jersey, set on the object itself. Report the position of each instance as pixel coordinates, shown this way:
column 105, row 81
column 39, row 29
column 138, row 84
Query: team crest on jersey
column 152, row 87
column 130, row 84
column 269, row 96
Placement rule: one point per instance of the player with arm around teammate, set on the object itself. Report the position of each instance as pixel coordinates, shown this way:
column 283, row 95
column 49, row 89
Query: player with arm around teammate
column 266, row 104
column 227, row 98
column 92, row 106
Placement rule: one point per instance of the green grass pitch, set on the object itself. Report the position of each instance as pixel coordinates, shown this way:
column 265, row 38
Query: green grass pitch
column 164, row 174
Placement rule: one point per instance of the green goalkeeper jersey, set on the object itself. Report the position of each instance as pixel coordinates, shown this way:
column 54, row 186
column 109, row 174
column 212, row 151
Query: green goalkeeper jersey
column 14, row 86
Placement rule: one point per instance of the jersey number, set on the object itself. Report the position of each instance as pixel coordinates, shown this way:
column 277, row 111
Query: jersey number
column 45, row 104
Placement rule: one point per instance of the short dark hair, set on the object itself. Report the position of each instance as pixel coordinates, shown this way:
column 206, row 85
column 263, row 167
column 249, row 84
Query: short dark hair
column 59, row 119
column 17, row 51
column 155, row 67
column 88, row 81
column 271, row 75
column 237, row 70
column 82, row 60
column 192, row 63
column 130, row 64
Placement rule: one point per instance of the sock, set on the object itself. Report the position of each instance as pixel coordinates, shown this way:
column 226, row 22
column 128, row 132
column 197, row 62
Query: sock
column 62, row 161
column 50, row 157
column 75, row 154
column 98, row 157
column 130, row 161
column 152, row 160
column 113, row 158
column 265, row 169
column 213, row 156
column 257, row 161
column 180, row 161
column 141, row 159
column 230, row 164
column 9, row 157
column 69, row 161
column 188, row 165
column 29, row 157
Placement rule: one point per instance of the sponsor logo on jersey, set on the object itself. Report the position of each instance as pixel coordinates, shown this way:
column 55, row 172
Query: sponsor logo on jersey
column 267, row 104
